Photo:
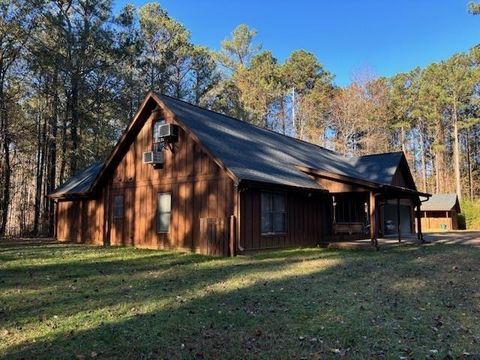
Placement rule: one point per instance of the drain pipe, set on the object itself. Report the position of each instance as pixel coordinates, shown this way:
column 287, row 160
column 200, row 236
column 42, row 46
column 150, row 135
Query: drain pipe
column 419, row 219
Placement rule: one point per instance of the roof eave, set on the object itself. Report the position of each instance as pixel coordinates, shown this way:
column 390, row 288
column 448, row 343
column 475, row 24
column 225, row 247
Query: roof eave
column 72, row 196
column 246, row 183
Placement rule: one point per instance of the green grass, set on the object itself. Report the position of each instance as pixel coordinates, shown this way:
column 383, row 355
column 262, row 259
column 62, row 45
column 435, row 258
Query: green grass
column 70, row 301
column 471, row 211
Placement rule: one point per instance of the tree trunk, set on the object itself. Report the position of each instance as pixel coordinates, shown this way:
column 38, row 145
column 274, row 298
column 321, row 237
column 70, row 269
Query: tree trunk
column 7, row 171
column 469, row 166
column 52, row 159
column 437, row 174
column 41, row 128
column 422, row 159
column 456, row 152
column 439, row 156
column 74, row 138
column 63, row 155
column 402, row 138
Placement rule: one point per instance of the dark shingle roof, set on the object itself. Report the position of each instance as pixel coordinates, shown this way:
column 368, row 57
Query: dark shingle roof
column 440, row 202
column 256, row 154
column 378, row 167
column 80, row 183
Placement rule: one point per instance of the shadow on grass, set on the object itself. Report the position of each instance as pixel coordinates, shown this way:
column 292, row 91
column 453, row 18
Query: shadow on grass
column 310, row 303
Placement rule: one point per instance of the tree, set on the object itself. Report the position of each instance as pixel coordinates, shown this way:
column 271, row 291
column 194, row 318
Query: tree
column 347, row 117
column 205, row 74
column 418, row 111
column 17, row 20
column 259, row 87
column 430, row 105
column 312, row 85
column 359, row 116
column 458, row 80
column 165, row 43
column 239, row 49
column 129, row 46
column 474, row 8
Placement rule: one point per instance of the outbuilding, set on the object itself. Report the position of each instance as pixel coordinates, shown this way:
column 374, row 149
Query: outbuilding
column 440, row 212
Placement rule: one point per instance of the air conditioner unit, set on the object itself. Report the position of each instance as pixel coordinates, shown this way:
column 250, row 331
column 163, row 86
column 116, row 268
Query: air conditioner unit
column 153, row 157
column 169, row 131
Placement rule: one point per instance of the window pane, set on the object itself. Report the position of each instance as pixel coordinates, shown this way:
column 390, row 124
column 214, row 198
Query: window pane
column 156, row 130
column 164, row 202
column 266, row 223
column 164, row 207
column 163, row 222
column 118, row 206
column 279, row 202
column 266, row 202
column 279, row 222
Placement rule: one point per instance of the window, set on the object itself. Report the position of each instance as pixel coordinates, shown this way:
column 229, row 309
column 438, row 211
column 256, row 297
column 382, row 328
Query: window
column 164, row 212
column 157, row 140
column 118, row 206
column 273, row 213
column 350, row 207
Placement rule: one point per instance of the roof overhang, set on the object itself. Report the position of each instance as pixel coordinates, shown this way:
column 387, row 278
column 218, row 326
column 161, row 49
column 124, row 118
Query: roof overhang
column 370, row 185
column 246, row 184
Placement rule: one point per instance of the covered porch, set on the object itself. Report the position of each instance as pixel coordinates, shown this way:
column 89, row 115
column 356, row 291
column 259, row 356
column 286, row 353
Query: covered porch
column 388, row 212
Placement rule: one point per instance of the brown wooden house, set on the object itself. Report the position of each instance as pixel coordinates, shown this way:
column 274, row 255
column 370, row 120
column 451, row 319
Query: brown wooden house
column 440, row 212
column 188, row 178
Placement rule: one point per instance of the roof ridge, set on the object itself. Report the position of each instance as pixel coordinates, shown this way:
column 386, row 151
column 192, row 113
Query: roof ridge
column 381, row 153
column 253, row 125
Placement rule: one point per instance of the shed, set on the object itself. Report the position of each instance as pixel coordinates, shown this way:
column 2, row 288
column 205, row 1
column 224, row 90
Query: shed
column 440, row 212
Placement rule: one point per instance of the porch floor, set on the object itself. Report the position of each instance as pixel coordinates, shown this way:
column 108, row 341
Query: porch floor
column 367, row 243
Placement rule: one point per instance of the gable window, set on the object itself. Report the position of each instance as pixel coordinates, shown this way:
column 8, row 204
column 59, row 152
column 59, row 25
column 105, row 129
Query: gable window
column 157, row 139
column 273, row 219
column 164, row 212
column 118, row 206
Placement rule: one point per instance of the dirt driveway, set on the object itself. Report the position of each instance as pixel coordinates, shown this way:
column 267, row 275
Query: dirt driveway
column 455, row 237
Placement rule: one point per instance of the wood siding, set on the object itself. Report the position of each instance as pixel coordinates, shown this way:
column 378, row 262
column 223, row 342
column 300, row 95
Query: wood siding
column 335, row 186
column 199, row 187
column 80, row 221
column 400, row 178
column 305, row 217
column 439, row 220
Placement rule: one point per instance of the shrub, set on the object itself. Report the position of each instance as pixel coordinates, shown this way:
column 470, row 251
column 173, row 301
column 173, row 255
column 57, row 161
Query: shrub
column 471, row 214
column 462, row 225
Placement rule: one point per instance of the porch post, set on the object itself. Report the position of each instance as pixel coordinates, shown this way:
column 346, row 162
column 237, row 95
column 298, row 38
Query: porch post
column 373, row 219
column 398, row 220
column 419, row 224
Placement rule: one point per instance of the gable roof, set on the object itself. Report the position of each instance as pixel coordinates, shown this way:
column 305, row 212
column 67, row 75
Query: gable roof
column 252, row 153
column 382, row 168
column 441, row 202
column 379, row 168
column 80, row 183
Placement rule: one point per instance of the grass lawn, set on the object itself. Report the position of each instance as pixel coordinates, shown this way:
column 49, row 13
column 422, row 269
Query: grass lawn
column 80, row 302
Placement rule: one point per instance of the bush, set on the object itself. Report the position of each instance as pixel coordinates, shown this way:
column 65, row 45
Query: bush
column 462, row 225
column 471, row 213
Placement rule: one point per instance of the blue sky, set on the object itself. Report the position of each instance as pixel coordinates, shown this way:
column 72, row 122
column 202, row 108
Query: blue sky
column 385, row 36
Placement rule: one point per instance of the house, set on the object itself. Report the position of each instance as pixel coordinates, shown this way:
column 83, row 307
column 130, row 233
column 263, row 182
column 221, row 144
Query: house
column 188, row 178
column 440, row 212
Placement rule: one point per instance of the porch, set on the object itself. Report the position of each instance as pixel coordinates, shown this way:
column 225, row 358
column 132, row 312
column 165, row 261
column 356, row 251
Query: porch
column 391, row 214
column 366, row 244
